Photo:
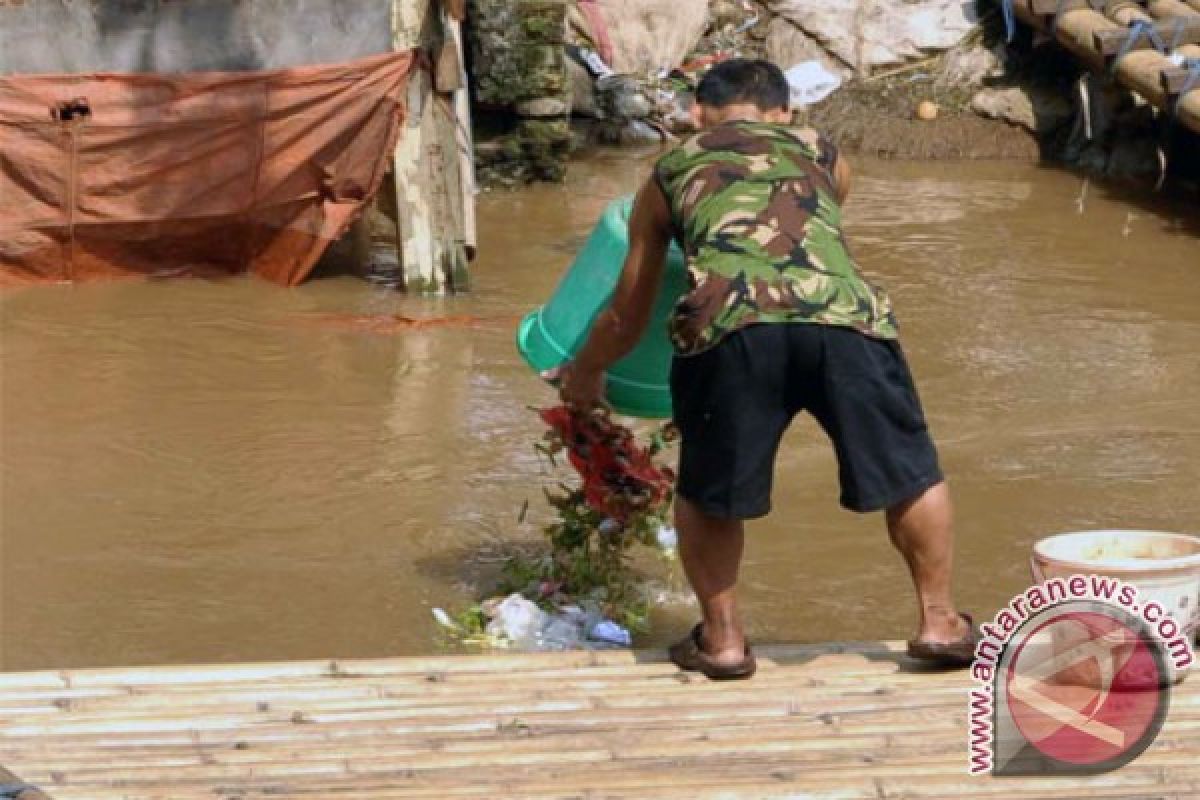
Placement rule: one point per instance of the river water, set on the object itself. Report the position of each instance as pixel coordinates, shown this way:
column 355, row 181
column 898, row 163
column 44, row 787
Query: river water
column 197, row 471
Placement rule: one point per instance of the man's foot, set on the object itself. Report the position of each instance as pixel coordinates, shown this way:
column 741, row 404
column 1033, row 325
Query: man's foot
column 689, row 654
column 949, row 646
column 943, row 624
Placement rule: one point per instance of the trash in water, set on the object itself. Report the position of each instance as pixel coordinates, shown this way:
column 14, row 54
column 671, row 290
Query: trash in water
column 517, row 621
column 668, row 539
column 610, row 632
column 444, row 619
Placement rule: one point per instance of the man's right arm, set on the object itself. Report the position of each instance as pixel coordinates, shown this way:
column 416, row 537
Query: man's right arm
column 620, row 326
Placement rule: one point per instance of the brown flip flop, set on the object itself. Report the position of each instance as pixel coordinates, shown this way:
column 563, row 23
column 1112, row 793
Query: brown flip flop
column 959, row 653
column 687, row 654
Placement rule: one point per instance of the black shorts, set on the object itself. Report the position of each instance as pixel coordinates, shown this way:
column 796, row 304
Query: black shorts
column 732, row 404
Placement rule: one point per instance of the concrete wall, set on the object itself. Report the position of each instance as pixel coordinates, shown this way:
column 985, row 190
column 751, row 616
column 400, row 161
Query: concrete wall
column 39, row 36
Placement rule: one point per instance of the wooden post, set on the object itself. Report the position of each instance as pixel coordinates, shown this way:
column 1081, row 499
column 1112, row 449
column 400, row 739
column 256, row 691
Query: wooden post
column 466, row 143
column 431, row 206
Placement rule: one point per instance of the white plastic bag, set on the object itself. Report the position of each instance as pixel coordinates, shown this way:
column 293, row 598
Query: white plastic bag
column 518, row 621
column 810, row 83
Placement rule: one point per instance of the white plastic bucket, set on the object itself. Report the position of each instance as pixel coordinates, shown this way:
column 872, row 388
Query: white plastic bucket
column 1165, row 567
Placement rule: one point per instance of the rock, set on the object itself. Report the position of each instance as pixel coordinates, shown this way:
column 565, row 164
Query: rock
column 727, row 13
column 875, row 33
column 516, row 50
column 543, row 107
column 638, row 132
column 968, row 66
column 787, row 46
column 620, row 96
column 546, row 144
column 583, row 90
column 648, row 35
column 1036, row 109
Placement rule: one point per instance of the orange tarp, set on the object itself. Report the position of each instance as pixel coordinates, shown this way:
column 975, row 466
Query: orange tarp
column 104, row 176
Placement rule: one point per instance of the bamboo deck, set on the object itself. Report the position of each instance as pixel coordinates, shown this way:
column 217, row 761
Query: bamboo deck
column 1094, row 30
column 844, row 721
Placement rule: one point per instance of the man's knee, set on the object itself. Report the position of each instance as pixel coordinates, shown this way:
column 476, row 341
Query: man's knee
column 934, row 495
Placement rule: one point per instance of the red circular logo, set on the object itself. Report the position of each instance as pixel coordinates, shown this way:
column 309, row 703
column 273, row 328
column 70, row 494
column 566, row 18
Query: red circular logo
column 1087, row 688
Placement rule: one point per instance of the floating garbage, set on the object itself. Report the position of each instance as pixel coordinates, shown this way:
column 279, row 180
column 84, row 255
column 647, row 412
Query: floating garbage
column 611, row 633
column 581, row 591
column 519, row 623
column 445, row 620
column 668, row 539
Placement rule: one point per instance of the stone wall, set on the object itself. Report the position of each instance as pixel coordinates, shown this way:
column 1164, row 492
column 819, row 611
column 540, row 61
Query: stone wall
column 920, row 78
column 518, row 66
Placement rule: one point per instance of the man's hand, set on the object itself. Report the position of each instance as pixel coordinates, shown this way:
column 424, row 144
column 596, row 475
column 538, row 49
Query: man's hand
column 581, row 389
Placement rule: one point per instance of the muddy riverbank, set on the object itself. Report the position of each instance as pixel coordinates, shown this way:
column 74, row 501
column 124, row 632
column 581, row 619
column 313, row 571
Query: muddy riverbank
column 921, row 79
column 222, row 471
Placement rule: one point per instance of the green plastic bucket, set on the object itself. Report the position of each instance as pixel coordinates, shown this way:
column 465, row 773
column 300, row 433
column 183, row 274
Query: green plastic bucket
column 638, row 385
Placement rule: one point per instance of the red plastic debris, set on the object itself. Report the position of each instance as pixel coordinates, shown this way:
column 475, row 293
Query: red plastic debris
column 619, row 476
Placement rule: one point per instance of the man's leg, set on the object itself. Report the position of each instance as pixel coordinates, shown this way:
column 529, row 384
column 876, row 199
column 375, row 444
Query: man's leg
column 728, row 403
column 922, row 530
column 711, row 552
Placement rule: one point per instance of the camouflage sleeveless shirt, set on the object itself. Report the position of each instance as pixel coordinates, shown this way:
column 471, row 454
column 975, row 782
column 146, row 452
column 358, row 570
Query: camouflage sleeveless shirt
column 754, row 209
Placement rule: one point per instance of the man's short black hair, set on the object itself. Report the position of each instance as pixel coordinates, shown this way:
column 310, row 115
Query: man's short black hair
column 744, row 80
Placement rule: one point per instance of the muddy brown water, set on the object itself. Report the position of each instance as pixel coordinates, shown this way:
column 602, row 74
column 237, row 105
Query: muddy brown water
column 199, row 472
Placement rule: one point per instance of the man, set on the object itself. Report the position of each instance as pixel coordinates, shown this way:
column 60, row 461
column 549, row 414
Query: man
column 777, row 320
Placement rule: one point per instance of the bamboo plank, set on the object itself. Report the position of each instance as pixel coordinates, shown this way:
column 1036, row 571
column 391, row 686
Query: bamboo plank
column 816, row 672
column 1049, row 8
column 512, row 665
column 498, row 663
column 693, row 744
column 941, row 728
column 456, row 720
column 893, row 721
column 441, row 696
column 1173, row 81
column 1170, row 9
column 424, row 693
column 1111, row 42
column 730, row 768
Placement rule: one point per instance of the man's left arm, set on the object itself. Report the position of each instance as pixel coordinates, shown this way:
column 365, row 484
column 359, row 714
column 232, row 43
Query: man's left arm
column 620, row 326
